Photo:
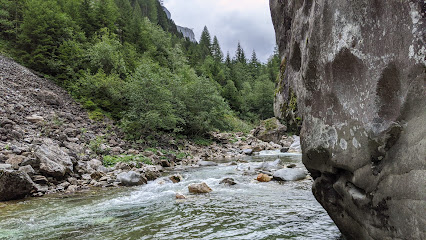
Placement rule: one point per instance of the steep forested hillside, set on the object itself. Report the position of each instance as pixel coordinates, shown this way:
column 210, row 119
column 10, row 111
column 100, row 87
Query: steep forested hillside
column 125, row 59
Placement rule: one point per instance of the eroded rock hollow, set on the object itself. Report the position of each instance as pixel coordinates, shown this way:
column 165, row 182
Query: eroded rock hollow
column 357, row 72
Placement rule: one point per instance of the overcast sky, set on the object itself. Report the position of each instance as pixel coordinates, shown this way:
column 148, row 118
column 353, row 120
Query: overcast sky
column 247, row 21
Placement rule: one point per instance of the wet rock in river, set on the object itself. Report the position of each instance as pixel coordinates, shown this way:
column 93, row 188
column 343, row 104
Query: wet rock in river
column 263, row 178
column 180, row 196
column 228, row 181
column 176, row 178
column 290, row 174
column 131, row 178
column 207, row 163
column 199, row 188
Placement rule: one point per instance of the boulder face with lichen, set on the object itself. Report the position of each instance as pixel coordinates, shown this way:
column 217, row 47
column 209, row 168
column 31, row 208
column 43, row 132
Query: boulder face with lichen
column 358, row 71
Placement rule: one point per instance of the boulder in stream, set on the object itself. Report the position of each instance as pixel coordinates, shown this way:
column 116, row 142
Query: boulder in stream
column 131, row 178
column 207, row 163
column 263, row 178
column 228, row 181
column 199, row 188
column 290, row 174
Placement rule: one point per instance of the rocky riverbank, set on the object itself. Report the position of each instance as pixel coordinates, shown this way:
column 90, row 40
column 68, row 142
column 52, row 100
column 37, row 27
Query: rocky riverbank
column 48, row 144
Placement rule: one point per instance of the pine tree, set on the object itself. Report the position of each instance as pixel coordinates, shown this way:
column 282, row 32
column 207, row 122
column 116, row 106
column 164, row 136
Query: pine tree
column 216, row 50
column 86, row 18
column 152, row 11
column 228, row 61
column 205, row 44
column 124, row 20
column 106, row 14
column 6, row 23
column 240, row 55
column 254, row 65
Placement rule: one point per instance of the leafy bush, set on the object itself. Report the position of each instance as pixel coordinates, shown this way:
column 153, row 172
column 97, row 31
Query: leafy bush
column 110, row 161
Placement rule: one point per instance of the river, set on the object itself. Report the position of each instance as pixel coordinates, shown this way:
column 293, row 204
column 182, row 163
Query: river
column 248, row 210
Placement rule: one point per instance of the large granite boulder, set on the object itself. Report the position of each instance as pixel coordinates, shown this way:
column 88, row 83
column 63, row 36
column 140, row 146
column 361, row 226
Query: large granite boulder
column 53, row 161
column 131, row 178
column 357, row 72
column 14, row 185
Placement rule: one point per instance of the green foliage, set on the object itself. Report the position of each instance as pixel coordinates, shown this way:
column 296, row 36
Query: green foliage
column 202, row 141
column 96, row 145
column 124, row 59
column 110, row 161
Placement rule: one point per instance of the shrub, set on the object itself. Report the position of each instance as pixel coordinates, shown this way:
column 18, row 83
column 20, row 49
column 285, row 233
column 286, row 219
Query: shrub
column 110, row 161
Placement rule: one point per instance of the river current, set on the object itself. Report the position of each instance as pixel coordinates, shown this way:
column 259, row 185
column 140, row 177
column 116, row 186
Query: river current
column 247, row 210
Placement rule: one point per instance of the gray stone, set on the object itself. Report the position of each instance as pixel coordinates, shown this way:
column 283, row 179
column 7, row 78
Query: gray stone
column 14, row 185
column 131, row 178
column 27, row 169
column 5, row 167
column 53, row 161
column 290, row 174
column 269, row 166
column 39, row 179
column 248, row 151
column 34, row 119
column 357, row 72
column 295, row 146
column 207, row 163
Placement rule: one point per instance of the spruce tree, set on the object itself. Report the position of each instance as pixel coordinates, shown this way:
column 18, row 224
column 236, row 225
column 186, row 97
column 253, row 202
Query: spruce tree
column 205, row 44
column 124, row 20
column 240, row 55
column 254, row 65
column 216, row 50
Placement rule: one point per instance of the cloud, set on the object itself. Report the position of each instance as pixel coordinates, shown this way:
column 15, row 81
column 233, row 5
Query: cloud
column 247, row 21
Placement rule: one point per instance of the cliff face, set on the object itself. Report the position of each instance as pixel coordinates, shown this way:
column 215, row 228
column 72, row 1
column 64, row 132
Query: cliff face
column 358, row 71
column 186, row 32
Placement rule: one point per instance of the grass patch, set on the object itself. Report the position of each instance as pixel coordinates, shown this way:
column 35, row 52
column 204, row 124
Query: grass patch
column 110, row 161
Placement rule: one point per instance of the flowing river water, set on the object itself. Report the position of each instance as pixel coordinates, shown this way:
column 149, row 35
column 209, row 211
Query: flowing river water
column 248, row 210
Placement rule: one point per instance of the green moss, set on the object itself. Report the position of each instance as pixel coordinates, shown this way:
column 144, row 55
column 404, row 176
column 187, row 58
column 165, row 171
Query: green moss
column 270, row 124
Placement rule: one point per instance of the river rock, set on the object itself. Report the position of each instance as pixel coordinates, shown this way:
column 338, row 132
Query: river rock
column 180, row 196
column 207, row 163
column 263, row 178
column 199, row 188
column 131, row 178
column 357, row 72
column 269, row 166
column 176, row 178
column 290, row 174
column 228, row 181
column 248, row 151
column 53, row 161
column 295, row 146
column 14, row 185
